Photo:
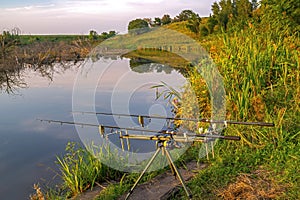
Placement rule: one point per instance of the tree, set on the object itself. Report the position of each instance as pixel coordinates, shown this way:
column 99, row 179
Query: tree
column 93, row 35
column 222, row 12
column 8, row 41
column 112, row 33
column 244, row 9
column 157, row 21
column 185, row 15
column 104, row 35
column 211, row 23
column 138, row 26
column 194, row 23
column 230, row 13
column 166, row 19
column 215, row 9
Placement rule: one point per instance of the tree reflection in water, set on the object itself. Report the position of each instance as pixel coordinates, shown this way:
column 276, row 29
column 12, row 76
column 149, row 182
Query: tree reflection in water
column 12, row 74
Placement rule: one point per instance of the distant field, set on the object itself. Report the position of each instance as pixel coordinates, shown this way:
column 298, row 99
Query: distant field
column 27, row 39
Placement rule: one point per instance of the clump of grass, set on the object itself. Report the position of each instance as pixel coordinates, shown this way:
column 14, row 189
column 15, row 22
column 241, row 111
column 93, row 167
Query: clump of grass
column 81, row 169
column 38, row 195
column 257, row 185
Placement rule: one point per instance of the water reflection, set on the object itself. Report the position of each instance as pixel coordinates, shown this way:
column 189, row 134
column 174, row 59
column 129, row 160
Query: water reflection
column 12, row 75
column 12, row 78
column 142, row 65
column 119, row 89
column 28, row 147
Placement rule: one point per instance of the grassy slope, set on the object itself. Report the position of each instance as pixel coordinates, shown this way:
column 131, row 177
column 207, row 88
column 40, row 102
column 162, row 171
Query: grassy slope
column 261, row 74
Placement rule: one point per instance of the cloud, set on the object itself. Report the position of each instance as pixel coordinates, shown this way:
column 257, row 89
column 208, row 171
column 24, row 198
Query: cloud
column 112, row 7
column 27, row 8
column 78, row 16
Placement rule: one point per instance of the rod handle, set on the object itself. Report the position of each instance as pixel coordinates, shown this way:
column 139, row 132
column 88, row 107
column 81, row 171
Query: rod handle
column 267, row 124
column 231, row 138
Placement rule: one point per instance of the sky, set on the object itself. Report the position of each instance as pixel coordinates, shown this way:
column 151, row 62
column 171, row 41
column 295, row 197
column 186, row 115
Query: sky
column 81, row 16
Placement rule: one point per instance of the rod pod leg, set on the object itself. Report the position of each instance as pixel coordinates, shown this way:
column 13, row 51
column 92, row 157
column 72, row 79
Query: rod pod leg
column 143, row 172
column 177, row 173
column 170, row 164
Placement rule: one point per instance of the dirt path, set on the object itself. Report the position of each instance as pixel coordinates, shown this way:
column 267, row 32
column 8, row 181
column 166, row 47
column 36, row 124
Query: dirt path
column 160, row 187
column 164, row 185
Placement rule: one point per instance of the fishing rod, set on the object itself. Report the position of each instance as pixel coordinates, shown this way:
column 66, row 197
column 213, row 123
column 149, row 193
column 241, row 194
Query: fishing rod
column 141, row 119
column 208, row 134
column 182, row 138
column 165, row 140
column 101, row 127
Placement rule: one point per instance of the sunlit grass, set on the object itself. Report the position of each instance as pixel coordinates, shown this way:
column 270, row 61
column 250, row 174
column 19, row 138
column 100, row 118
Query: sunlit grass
column 261, row 74
column 81, row 169
column 262, row 79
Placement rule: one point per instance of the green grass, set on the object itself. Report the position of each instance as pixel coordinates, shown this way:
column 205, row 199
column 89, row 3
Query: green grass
column 28, row 39
column 114, row 191
column 80, row 170
column 261, row 74
column 232, row 160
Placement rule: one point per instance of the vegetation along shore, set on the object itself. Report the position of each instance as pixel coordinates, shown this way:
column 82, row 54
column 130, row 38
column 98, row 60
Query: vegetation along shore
column 256, row 49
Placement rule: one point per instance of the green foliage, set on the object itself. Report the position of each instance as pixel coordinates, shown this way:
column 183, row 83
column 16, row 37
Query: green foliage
column 105, row 35
column 30, row 39
column 241, row 160
column 80, row 169
column 282, row 16
column 262, row 63
column 243, row 9
column 261, row 70
column 193, row 23
column 93, row 35
column 8, row 40
column 211, row 23
column 185, row 15
column 114, row 191
column 166, row 19
column 138, row 26
column 261, row 74
column 157, row 21
column 235, row 15
column 225, row 13
column 229, row 14
column 260, row 67
column 203, row 30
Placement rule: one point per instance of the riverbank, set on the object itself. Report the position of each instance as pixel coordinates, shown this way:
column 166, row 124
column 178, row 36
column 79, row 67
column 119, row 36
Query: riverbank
column 261, row 74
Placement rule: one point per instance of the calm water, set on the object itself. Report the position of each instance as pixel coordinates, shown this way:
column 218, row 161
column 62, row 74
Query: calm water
column 28, row 147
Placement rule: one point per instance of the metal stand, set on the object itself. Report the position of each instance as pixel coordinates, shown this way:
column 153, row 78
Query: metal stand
column 162, row 147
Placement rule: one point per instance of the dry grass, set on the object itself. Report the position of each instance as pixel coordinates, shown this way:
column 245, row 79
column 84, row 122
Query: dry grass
column 257, row 185
column 38, row 193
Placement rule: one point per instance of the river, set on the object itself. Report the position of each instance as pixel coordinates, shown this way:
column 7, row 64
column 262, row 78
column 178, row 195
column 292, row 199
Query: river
column 28, row 147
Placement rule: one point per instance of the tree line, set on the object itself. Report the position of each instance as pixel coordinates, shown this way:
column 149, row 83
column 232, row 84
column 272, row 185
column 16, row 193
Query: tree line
column 227, row 15
column 94, row 36
column 141, row 25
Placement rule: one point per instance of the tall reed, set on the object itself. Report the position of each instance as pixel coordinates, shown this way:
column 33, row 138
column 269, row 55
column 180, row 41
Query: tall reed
column 81, row 169
column 261, row 75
